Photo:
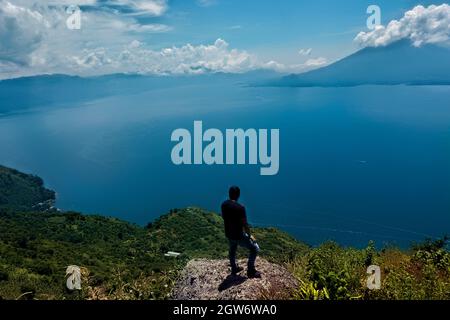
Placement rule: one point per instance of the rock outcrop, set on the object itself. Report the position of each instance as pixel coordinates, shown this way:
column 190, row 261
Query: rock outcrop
column 204, row 279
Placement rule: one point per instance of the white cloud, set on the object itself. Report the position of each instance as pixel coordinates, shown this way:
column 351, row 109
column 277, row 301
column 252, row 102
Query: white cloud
column 305, row 52
column 235, row 27
column 187, row 59
column 93, row 59
column 71, row 2
column 317, row 62
column 206, row 3
column 152, row 7
column 274, row 65
column 21, row 32
column 134, row 7
column 421, row 25
column 35, row 40
column 153, row 27
column 135, row 44
column 143, row 7
column 309, row 65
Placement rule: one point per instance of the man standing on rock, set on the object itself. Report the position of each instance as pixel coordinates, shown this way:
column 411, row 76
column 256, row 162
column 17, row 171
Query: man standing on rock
column 237, row 231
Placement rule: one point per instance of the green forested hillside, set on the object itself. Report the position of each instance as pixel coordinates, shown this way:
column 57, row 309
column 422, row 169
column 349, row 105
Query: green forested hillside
column 22, row 191
column 197, row 233
column 120, row 260
column 36, row 247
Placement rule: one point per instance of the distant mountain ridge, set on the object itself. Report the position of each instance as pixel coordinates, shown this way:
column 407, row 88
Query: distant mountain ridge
column 398, row 63
column 57, row 90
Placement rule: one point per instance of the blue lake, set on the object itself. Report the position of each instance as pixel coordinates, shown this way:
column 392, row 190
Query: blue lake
column 361, row 163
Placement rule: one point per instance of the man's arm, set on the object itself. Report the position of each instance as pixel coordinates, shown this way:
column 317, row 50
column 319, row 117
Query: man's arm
column 245, row 225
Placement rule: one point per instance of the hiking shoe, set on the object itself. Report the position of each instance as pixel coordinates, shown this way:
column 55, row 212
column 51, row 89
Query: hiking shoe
column 237, row 270
column 253, row 274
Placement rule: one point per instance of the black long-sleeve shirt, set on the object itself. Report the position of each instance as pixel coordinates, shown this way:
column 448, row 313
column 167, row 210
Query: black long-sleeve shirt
column 235, row 219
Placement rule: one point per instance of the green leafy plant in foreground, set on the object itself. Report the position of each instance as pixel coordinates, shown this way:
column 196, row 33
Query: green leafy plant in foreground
column 309, row 291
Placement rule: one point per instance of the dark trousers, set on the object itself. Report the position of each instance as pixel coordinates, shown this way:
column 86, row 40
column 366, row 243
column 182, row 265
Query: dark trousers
column 245, row 242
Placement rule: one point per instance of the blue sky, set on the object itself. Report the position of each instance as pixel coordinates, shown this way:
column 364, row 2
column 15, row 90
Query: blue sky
column 271, row 28
column 217, row 35
column 274, row 29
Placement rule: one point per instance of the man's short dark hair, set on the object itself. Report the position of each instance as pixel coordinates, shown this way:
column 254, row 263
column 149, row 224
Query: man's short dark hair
column 234, row 192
